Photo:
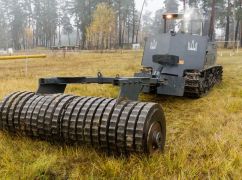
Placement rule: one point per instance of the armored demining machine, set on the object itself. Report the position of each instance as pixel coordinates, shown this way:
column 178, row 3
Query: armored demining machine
column 180, row 61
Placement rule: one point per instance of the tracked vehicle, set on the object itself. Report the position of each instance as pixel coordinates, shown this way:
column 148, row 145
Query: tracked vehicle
column 177, row 62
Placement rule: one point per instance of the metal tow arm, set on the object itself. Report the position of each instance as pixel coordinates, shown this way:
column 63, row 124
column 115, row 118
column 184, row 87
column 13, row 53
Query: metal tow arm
column 130, row 87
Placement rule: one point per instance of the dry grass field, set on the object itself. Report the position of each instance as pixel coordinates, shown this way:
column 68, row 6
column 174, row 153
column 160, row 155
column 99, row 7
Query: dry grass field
column 204, row 136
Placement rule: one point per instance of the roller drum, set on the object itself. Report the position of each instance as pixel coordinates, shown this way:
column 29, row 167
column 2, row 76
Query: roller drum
column 117, row 127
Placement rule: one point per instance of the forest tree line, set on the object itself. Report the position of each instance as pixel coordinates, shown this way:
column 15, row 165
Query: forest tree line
column 32, row 23
column 98, row 24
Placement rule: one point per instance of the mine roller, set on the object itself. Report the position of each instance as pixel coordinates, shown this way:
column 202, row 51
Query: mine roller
column 180, row 61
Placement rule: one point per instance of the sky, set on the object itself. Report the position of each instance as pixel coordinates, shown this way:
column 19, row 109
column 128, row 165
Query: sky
column 152, row 5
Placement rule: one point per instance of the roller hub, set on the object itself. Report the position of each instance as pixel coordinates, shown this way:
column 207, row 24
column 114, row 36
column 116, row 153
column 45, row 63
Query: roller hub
column 117, row 127
column 154, row 140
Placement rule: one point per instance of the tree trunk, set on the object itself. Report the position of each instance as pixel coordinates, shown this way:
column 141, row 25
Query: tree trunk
column 59, row 43
column 227, row 26
column 227, row 32
column 237, row 31
column 212, row 19
column 120, row 24
column 33, row 38
column 54, row 40
column 128, row 33
column 240, row 6
column 69, row 39
column 137, row 34
column 241, row 34
column 123, row 40
column 133, row 35
column 236, row 34
column 83, row 38
column 77, row 37
column 36, row 36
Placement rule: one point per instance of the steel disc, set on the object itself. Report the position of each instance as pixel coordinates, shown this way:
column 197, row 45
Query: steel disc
column 65, row 122
column 122, row 128
column 150, row 116
column 113, row 126
column 30, row 114
column 131, row 127
column 58, row 117
column 5, row 108
column 42, row 114
column 89, row 120
column 95, row 128
column 24, row 123
column 81, row 120
column 13, row 109
column 35, row 116
column 50, row 114
column 105, row 121
column 68, row 117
